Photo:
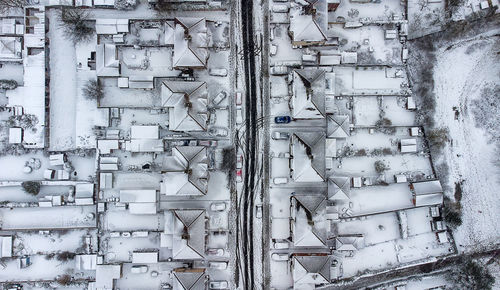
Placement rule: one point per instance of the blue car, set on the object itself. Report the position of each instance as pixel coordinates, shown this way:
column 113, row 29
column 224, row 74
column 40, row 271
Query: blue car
column 282, row 119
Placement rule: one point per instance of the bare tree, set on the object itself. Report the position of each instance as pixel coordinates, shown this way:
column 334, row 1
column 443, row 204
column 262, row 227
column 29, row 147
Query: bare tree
column 76, row 24
column 6, row 5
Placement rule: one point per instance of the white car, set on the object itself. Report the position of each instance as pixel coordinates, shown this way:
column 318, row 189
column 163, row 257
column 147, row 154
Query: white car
column 218, row 206
column 218, row 265
column 218, row 131
column 281, row 245
column 279, row 257
column 239, row 161
column 218, row 285
column 219, row 98
column 280, row 180
column 238, row 99
column 218, row 72
column 139, row 269
column 239, row 117
column 279, row 70
column 215, row 252
column 258, row 211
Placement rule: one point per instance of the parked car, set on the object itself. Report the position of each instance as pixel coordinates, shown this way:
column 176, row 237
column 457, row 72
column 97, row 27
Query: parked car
column 138, row 269
column 273, row 49
column 280, row 180
column 218, row 206
column 258, row 211
column 282, row 119
column 218, row 131
column 279, row 257
column 218, row 285
column 239, row 161
column 239, row 175
column 280, row 8
column 218, row 72
column 281, row 245
column 215, row 252
column 219, row 98
column 239, row 117
column 280, row 135
column 218, row 265
column 279, row 70
column 238, row 99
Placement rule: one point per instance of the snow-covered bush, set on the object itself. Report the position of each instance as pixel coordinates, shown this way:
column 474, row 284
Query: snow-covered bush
column 486, row 111
column 6, row 5
column 384, row 125
column 125, row 4
column 437, row 138
column 380, row 166
column 8, row 84
column 93, row 90
column 31, row 187
column 76, row 24
column 24, row 121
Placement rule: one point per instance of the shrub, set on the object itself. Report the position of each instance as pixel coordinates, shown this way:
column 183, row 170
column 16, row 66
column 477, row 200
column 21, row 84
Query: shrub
column 75, row 22
column 64, row 279
column 93, row 90
column 470, row 275
column 384, row 125
column 24, row 121
column 6, row 5
column 31, row 187
column 8, row 84
column 380, row 166
column 438, row 137
column 65, row 256
column 125, row 4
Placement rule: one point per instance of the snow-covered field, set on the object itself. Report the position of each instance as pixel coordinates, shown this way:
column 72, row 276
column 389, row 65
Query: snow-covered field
column 460, row 75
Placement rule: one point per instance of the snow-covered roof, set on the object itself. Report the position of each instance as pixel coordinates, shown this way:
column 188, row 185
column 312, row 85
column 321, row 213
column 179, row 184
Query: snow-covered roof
column 427, row 187
column 308, row 151
column 144, row 257
column 10, row 48
column 312, row 270
column 144, row 145
column 349, row 243
column 84, row 190
column 187, row 104
column 339, row 188
column 189, row 279
column 105, row 146
column 189, row 234
column 308, row 24
column 107, row 63
column 105, row 276
column 144, row 132
column 86, row 262
column 309, row 225
column 187, row 171
column 308, row 100
column 190, row 43
column 338, row 126
column 6, row 246
column 429, row 199
column 137, row 195
column 111, row 26
column 15, row 135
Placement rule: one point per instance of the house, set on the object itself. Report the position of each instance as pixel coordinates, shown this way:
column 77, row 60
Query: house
column 308, row 101
column 308, row 156
column 349, row 243
column 188, row 234
column 308, row 224
column 187, row 171
column 189, row 279
column 338, row 126
column 140, row 201
column 106, row 275
column 187, row 105
column 310, row 270
column 107, row 62
column 427, row 193
column 339, row 188
column 111, row 26
column 308, row 24
column 107, row 146
column 190, row 43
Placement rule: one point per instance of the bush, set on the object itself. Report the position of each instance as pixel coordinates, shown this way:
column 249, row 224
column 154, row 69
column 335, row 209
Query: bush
column 93, row 90
column 8, row 84
column 64, row 279
column 471, row 276
column 438, row 137
column 76, row 24
column 384, row 125
column 24, row 121
column 65, row 256
column 380, row 166
column 125, row 4
column 31, row 187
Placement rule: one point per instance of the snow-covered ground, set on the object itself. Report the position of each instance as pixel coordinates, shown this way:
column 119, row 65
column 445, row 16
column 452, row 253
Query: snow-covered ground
column 460, row 75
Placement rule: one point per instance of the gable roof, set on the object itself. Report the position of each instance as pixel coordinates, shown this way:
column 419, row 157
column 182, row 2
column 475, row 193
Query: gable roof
column 339, row 188
column 308, row 151
column 309, row 24
column 187, row 103
column 338, row 126
column 190, row 42
column 308, row 100
column 190, row 227
column 311, row 270
column 309, row 228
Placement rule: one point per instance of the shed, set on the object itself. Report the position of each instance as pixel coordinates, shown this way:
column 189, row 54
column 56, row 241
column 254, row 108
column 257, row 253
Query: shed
column 408, row 145
column 144, row 257
column 6, row 246
column 86, row 262
column 144, row 132
column 106, row 146
column 15, row 135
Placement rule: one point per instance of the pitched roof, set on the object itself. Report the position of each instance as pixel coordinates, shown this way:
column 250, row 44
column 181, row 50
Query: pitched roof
column 339, row 188
column 190, row 280
column 349, row 243
column 308, row 94
column 309, row 24
column 311, row 270
column 308, row 151
column 190, row 42
column 309, row 228
column 338, row 126
column 187, row 103
column 190, row 227
column 188, row 171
